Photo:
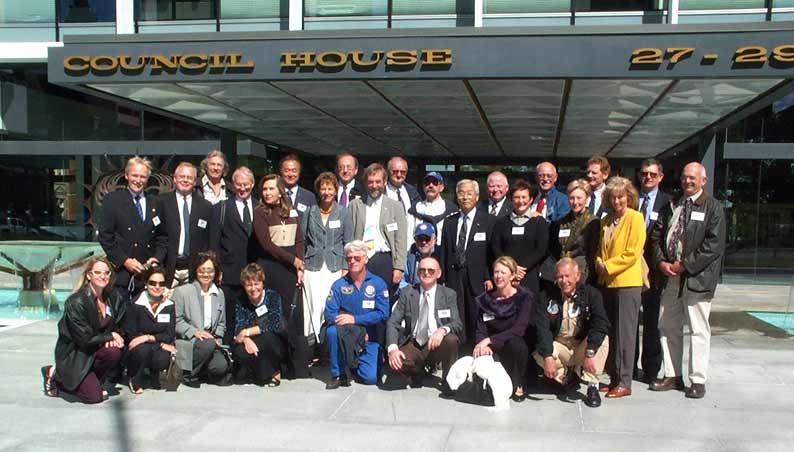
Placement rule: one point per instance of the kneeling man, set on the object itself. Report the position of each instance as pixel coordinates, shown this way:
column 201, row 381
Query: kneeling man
column 357, row 304
column 572, row 328
column 429, row 312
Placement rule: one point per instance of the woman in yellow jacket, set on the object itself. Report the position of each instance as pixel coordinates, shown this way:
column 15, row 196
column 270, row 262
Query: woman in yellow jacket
column 619, row 267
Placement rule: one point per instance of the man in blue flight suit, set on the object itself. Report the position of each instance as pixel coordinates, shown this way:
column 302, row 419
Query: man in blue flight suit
column 357, row 304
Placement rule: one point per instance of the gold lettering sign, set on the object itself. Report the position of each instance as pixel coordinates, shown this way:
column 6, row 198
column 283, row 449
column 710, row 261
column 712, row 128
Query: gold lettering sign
column 188, row 63
column 360, row 61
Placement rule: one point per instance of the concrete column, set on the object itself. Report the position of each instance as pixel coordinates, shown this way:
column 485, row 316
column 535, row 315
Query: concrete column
column 478, row 10
column 125, row 17
column 708, row 162
column 672, row 12
column 296, row 14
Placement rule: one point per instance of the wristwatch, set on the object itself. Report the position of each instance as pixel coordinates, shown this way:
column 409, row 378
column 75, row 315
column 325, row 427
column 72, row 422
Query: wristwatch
column 589, row 353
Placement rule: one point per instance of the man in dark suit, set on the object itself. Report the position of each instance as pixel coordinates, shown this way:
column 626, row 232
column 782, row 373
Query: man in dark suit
column 188, row 221
column 497, row 203
column 652, row 200
column 465, row 257
column 299, row 198
column 688, row 248
column 429, row 313
column 346, row 171
column 234, row 223
column 598, row 169
column 396, row 188
column 131, row 229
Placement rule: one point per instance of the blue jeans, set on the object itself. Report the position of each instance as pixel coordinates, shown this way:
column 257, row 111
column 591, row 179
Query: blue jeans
column 367, row 370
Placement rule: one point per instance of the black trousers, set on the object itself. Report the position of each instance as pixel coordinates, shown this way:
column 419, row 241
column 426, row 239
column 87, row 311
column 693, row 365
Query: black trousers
column 651, row 356
column 232, row 295
column 146, row 356
column 513, row 355
column 467, row 305
column 264, row 365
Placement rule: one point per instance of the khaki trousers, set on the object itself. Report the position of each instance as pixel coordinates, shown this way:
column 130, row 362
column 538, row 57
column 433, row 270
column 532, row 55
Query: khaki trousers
column 568, row 353
column 677, row 306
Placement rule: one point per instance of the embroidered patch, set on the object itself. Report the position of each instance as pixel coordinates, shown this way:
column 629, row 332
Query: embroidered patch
column 347, row 290
column 369, row 291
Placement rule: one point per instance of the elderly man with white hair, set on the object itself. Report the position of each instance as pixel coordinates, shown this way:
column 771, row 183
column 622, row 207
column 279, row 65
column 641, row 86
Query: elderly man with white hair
column 688, row 248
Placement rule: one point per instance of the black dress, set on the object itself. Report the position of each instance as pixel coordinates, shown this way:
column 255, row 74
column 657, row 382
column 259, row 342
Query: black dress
column 526, row 243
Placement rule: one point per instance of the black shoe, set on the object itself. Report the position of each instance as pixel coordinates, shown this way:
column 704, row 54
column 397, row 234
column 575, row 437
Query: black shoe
column 191, row 382
column 336, row 382
column 416, row 381
column 226, row 380
column 572, row 384
column 593, row 399
column 446, row 391
column 518, row 398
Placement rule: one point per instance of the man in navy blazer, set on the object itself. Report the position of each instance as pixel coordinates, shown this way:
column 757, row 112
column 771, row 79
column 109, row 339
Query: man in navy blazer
column 299, row 198
column 131, row 228
column 187, row 234
column 598, row 170
column 465, row 254
column 234, row 223
column 652, row 201
column 497, row 203
column 550, row 203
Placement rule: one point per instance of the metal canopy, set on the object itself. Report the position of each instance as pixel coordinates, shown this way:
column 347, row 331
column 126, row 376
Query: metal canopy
column 494, row 100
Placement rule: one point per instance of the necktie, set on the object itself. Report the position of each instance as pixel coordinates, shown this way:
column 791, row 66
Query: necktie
column 460, row 248
column 247, row 217
column 678, row 232
column 139, row 207
column 291, row 194
column 591, row 208
column 343, row 197
column 400, row 198
column 493, row 209
column 422, row 322
column 185, row 227
column 541, row 204
column 644, row 206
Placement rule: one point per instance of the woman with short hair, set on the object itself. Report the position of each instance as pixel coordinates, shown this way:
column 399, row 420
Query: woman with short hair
column 575, row 235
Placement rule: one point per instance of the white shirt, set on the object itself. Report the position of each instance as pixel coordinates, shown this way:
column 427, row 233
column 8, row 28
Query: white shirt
column 346, row 190
column 142, row 201
column 209, row 194
column 410, row 221
column 433, row 208
column 373, row 236
column 599, row 193
column 241, row 205
column 208, row 305
column 499, row 205
column 469, row 223
column 180, row 202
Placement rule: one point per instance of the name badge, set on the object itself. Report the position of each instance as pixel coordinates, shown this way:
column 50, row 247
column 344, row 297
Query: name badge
column 479, row 237
column 293, row 213
column 444, row 314
column 262, row 310
column 564, row 233
column 391, row 227
column 156, row 220
column 301, row 207
column 202, row 224
column 368, row 304
column 487, row 317
column 163, row 318
column 518, row 230
column 334, row 224
column 654, row 216
column 698, row 216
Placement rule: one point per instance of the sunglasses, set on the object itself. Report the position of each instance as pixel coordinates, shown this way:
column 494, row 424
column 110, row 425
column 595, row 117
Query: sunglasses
column 429, row 271
column 649, row 174
column 155, row 283
column 354, row 258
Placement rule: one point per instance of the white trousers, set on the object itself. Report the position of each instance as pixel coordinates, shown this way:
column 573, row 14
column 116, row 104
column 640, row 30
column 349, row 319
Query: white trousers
column 316, row 287
column 678, row 305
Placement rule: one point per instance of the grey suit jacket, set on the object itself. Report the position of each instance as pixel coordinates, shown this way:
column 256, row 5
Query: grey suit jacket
column 190, row 318
column 407, row 309
column 391, row 214
column 324, row 244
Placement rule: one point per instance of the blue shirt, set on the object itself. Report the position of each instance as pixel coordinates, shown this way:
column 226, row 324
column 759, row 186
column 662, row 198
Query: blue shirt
column 368, row 305
column 649, row 206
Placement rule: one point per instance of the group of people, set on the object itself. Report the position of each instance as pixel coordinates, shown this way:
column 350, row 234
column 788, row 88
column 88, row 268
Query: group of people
column 234, row 282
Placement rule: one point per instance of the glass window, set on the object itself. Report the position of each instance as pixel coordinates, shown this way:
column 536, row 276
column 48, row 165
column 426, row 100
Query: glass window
column 319, row 8
column 783, row 3
column 87, row 11
column 246, row 9
column 720, row 4
column 421, row 7
column 27, row 11
column 520, row 6
column 176, row 9
column 619, row 5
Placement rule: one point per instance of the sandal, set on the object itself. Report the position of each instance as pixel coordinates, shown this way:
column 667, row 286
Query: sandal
column 134, row 390
column 50, row 389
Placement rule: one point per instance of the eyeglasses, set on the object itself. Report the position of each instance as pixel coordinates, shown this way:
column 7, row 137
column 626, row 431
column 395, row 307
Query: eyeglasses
column 650, row 174
column 100, row 272
column 422, row 238
column 545, row 176
column 155, row 283
column 205, row 271
column 399, row 171
column 429, row 271
column 354, row 258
